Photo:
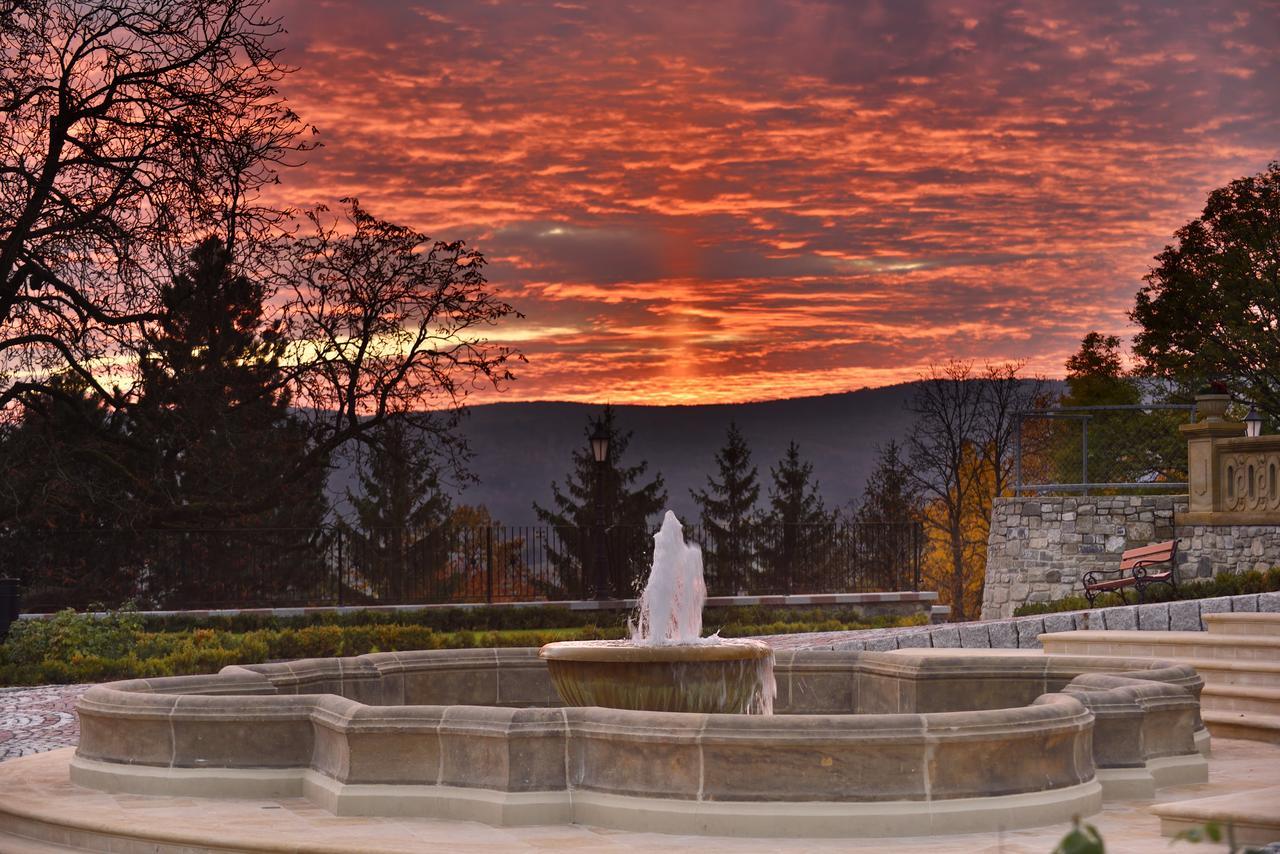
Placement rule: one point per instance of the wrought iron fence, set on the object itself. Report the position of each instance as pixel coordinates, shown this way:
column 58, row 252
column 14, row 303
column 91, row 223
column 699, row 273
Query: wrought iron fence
column 338, row 566
column 1079, row 449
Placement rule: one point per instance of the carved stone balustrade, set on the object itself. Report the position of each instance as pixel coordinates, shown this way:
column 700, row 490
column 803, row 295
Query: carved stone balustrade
column 1233, row 479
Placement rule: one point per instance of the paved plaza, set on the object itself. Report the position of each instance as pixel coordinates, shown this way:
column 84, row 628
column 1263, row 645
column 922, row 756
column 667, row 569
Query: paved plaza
column 33, row 720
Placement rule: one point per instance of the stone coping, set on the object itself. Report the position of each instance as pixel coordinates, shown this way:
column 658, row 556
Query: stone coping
column 422, row 727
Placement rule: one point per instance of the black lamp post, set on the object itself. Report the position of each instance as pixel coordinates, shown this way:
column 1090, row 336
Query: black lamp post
column 600, row 452
column 1253, row 422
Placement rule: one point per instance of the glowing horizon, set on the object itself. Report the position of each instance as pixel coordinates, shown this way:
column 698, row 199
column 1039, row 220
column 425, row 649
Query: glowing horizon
column 720, row 202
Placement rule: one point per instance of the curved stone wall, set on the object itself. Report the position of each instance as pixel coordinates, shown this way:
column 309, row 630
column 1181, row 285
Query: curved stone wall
column 865, row 742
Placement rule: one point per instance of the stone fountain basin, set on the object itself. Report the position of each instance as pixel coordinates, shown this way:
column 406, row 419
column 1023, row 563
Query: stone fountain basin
column 704, row 678
column 866, row 744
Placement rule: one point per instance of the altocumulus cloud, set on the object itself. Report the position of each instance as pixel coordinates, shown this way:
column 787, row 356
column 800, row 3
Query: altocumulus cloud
column 731, row 200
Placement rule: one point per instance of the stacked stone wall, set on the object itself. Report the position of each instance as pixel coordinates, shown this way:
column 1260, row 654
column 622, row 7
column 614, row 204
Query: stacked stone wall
column 1040, row 548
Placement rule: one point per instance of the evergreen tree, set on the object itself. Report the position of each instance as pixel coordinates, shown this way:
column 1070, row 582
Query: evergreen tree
column 728, row 515
column 630, row 504
column 890, row 507
column 1096, row 375
column 399, row 534
column 66, row 479
column 63, row 468
column 217, row 422
column 800, row 528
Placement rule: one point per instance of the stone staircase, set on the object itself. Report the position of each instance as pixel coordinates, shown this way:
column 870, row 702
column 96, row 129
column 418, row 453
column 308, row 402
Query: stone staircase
column 1238, row 657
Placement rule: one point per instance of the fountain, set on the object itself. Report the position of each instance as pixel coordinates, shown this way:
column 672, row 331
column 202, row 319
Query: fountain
column 666, row 665
column 860, row 743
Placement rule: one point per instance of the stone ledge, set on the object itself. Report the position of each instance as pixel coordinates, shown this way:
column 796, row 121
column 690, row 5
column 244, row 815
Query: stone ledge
column 1211, row 519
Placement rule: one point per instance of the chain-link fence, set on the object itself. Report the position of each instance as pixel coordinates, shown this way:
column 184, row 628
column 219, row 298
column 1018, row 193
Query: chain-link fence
column 1083, row 449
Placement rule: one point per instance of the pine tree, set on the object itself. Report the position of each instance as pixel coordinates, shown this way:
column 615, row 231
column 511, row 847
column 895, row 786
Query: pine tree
column 890, row 493
column 218, row 426
column 399, row 532
column 800, row 528
column 728, row 515
column 66, row 479
column 886, row 515
column 630, row 505
column 61, row 462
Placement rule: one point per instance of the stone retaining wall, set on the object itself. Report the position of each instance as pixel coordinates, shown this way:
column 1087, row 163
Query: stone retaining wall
column 1040, row 548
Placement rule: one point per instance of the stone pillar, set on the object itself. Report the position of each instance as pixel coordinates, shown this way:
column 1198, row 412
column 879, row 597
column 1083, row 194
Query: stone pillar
column 1203, row 482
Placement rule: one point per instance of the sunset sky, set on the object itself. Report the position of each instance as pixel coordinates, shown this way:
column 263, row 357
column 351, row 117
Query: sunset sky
column 728, row 201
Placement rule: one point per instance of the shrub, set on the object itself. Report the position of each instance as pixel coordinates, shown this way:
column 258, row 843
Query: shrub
column 80, row 648
column 68, row 634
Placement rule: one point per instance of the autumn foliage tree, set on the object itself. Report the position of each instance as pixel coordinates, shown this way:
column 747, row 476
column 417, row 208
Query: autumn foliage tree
column 960, row 450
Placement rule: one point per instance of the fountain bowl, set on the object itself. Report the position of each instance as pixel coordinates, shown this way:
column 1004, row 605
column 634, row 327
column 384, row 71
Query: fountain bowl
column 727, row 676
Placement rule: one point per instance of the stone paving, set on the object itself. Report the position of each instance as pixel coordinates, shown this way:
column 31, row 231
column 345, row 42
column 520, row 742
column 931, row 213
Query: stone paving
column 33, row 720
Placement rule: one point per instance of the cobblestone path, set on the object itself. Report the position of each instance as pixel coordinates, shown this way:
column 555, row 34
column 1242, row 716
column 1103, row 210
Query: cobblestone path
column 33, row 720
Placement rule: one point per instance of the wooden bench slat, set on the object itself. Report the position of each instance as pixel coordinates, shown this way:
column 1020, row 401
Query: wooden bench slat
column 1144, row 555
column 1151, row 549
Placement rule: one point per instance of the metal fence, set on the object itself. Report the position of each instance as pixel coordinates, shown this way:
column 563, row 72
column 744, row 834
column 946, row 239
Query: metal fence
column 1083, row 449
column 338, row 566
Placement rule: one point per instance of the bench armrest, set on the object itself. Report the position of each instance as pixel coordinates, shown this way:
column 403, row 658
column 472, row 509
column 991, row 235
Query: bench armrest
column 1094, row 574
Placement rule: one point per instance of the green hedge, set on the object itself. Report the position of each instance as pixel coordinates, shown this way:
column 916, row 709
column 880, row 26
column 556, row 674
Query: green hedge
column 76, row 648
column 1222, row 584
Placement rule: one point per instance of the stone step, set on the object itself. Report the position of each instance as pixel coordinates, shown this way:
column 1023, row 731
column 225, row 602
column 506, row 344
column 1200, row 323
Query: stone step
column 1243, row 624
column 1254, row 674
column 1247, row 725
column 1241, row 698
column 1171, row 645
column 1253, row 815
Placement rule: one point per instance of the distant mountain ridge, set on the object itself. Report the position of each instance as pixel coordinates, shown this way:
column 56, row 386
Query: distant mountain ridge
column 520, row 448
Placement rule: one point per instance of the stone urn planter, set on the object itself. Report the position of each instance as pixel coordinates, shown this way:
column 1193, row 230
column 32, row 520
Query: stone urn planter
column 1211, row 407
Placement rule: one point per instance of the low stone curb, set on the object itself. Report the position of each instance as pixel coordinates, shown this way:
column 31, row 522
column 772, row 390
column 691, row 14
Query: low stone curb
column 1024, row 632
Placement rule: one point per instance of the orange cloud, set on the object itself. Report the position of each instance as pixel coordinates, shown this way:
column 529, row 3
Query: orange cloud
column 722, row 202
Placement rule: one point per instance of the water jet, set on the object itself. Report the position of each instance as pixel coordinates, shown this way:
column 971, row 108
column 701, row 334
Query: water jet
column 666, row 665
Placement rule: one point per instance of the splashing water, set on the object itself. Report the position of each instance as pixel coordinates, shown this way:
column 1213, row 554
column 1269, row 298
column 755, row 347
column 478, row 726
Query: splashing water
column 670, row 614
column 671, row 605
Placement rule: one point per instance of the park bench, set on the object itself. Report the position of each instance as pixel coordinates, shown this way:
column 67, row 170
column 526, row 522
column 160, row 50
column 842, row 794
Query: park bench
column 1135, row 572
